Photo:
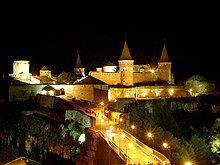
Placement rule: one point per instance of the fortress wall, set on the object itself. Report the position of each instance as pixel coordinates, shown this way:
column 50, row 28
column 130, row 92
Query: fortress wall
column 144, row 76
column 107, row 77
column 84, row 92
column 146, row 92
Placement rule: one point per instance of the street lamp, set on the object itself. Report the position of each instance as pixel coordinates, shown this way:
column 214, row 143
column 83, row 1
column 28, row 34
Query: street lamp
column 165, row 145
column 102, row 121
column 111, row 127
column 150, row 135
column 119, row 142
column 132, row 128
column 130, row 146
column 101, row 103
column 188, row 163
column 107, row 114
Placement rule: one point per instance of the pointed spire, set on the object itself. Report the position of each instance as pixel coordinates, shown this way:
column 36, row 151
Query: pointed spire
column 78, row 61
column 21, row 57
column 125, row 53
column 164, row 55
column 44, row 68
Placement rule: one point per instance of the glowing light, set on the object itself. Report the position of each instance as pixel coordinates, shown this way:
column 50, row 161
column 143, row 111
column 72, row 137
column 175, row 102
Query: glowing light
column 158, row 92
column 122, row 135
column 43, row 92
column 171, row 92
column 165, row 145
column 111, row 127
column 51, row 93
column 150, row 135
column 82, row 138
column 132, row 127
column 188, row 163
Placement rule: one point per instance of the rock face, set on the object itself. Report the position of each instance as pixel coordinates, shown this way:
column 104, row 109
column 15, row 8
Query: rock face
column 92, row 138
column 97, row 151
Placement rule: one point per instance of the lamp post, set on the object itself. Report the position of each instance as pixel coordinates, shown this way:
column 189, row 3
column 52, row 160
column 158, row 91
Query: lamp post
column 119, row 124
column 101, row 103
column 132, row 128
column 150, row 135
column 119, row 141
column 102, row 121
column 107, row 114
column 129, row 146
column 165, row 145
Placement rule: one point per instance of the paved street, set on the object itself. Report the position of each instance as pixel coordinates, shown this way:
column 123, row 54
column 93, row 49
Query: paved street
column 127, row 147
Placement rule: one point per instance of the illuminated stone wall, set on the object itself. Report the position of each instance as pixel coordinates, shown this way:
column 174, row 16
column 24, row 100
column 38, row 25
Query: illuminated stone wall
column 87, row 92
column 21, row 70
column 145, row 76
column 107, row 77
column 146, row 92
column 138, row 77
column 84, row 92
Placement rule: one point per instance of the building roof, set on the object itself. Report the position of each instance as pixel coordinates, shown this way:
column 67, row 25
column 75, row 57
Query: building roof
column 44, row 68
column 90, row 80
column 20, row 58
column 125, row 53
column 164, row 55
column 109, row 64
column 49, row 88
column 44, row 78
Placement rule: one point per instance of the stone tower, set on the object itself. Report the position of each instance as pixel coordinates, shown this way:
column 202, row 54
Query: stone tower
column 164, row 67
column 21, row 68
column 45, row 72
column 126, row 63
column 79, row 70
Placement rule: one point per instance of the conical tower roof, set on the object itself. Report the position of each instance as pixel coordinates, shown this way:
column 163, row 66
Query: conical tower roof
column 78, row 61
column 109, row 63
column 164, row 56
column 44, row 68
column 126, row 55
column 21, row 57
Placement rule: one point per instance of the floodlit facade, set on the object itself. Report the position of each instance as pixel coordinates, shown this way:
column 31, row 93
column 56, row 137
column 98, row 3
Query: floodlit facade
column 128, row 74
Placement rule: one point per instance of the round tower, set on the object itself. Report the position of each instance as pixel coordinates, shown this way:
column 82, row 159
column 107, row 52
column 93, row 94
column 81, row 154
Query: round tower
column 21, row 68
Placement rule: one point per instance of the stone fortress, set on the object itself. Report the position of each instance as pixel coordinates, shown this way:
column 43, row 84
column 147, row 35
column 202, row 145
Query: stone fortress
column 128, row 74
column 107, row 83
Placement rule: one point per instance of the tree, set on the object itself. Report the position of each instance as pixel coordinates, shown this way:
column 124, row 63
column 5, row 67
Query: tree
column 65, row 78
column 201, row 149
column 215, row 138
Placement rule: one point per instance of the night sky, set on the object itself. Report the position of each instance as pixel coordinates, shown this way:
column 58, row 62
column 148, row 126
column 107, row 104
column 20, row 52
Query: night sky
column 52, row 41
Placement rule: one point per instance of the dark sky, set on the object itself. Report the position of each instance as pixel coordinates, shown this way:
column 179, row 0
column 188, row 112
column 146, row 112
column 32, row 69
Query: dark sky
column 52, row 40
